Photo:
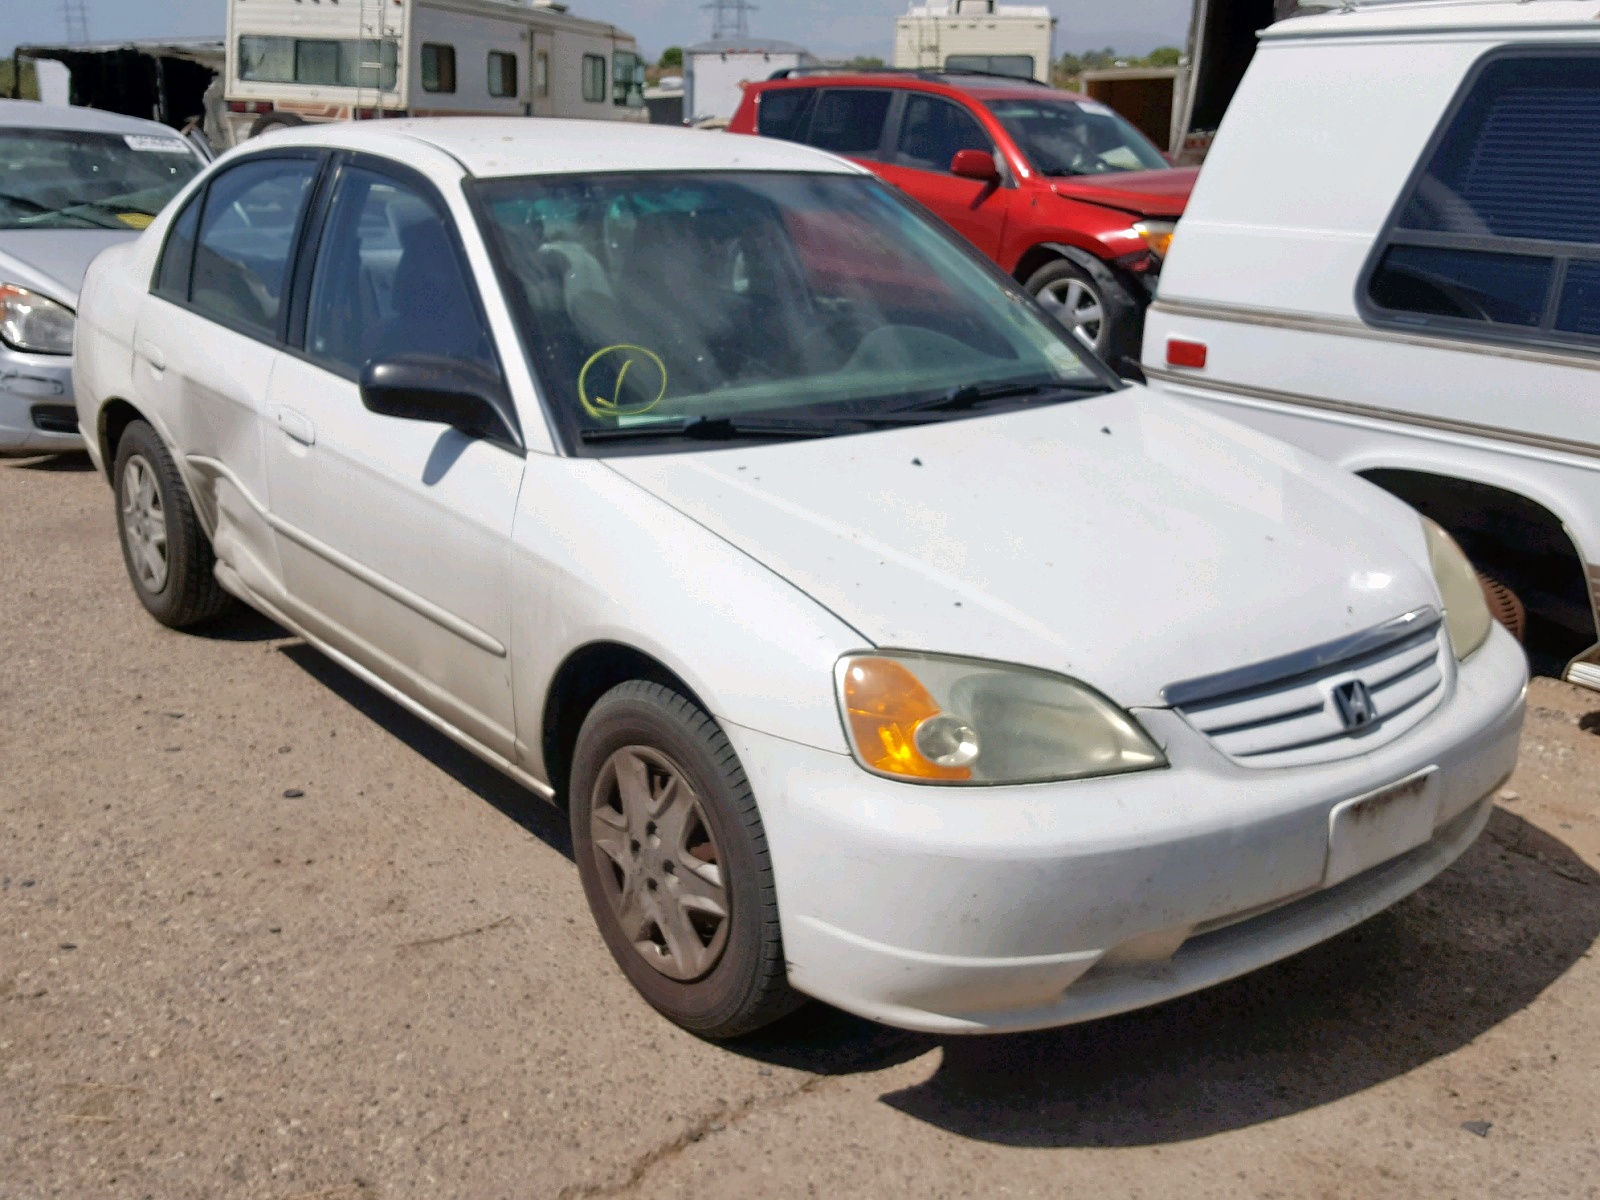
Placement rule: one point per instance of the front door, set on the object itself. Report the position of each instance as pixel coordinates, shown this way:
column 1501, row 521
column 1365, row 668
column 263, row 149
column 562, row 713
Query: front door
column 395, row 534
column 932, row 130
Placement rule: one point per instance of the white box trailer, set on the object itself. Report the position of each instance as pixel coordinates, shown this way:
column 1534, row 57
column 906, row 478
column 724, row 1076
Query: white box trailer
column 369, row 59
column 716, row 72
column 977, row 35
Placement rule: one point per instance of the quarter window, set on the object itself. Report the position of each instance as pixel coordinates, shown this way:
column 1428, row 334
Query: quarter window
column 933, row 131
column 246, row 240
column 438, row 67
column 177, row 256
column 1500, row 233
column 850, row 121
column 389, row 280
column 502, row 73
column 594, row 79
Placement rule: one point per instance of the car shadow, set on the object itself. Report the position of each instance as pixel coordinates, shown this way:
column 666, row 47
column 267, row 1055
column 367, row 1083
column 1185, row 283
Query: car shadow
column 1413, row 984
column 239, row 624
column 538, row 816
column 72, row 462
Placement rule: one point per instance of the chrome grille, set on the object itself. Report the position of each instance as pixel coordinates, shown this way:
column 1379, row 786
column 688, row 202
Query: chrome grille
column 1286, row 712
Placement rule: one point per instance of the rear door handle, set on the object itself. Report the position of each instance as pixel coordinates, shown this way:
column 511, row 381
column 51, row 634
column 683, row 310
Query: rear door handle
column 151, row 353
column 297, row 426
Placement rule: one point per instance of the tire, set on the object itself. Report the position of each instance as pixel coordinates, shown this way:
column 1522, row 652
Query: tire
column 267, row 122
column 1114, row 328
column 692, row 810
column 169, row 559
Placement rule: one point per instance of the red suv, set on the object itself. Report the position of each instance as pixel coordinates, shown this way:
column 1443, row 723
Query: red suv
column 1069, row 198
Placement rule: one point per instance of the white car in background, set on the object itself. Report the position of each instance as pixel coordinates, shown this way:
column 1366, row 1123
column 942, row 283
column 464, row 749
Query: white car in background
column 885, row 646
column 1416, row 297
column 73, row 181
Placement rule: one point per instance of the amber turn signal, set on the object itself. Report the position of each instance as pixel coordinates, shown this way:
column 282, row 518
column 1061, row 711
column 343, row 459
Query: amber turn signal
column 886, row 704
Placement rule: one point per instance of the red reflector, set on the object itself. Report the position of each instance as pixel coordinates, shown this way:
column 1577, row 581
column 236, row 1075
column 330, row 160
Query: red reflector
column 1186, row 354
column 250, row 106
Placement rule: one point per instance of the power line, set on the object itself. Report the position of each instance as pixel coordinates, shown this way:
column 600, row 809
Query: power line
column 730, row 18
column 76, row 13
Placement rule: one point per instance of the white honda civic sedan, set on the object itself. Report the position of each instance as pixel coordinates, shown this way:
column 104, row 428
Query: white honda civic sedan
column 885, row 647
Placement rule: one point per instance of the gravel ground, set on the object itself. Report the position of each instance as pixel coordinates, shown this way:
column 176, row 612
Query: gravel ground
column 262, row 934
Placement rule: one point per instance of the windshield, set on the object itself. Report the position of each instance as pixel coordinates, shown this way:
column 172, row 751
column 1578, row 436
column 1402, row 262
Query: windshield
column 1067, row 137
column 656, row 300
column 68, row 179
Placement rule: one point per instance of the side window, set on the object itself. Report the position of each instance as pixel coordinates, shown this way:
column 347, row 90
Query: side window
column 502, row 73
column 1019, row 66
column 438, row 68
column 541, row 74
column 594, row 78
column 247, row 239
column 1500, row 232
column 177, row 256
column 933, row 131
column 389, row 280
column 850, row 121
column 782, row 112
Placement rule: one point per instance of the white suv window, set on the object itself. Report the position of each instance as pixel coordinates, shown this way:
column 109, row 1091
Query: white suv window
column 1499, row 234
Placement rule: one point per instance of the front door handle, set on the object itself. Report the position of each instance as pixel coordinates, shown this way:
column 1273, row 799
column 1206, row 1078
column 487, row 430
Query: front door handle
column 151, row 353
column 297, row 426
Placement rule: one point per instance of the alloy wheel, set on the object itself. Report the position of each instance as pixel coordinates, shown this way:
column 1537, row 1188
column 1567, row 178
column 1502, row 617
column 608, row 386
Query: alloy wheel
column 659, row 863
column 1080, row 308
column 144, row 524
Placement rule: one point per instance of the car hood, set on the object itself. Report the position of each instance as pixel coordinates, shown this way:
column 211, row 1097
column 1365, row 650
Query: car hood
column 1142, row 193
column 1130, row 541
column 53, row 261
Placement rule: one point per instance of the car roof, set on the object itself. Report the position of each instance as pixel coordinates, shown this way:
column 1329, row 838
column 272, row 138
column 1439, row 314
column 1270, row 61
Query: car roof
column 1436, row 16
column 979, row 87
column 499, row 147
column 30, row 114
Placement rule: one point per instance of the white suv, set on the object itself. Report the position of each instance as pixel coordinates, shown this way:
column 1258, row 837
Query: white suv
column 1392, row 259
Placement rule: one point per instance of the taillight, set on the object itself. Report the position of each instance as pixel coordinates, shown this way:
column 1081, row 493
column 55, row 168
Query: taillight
column 250, row 106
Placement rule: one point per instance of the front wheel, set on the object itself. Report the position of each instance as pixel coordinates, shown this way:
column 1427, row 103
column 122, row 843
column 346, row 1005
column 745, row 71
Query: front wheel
column 1094, row 307
column 674, row 862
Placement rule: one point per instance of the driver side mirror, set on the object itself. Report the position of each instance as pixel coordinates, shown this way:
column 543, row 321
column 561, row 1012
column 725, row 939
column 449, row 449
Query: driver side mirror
column 445, row 391
column 975, row 164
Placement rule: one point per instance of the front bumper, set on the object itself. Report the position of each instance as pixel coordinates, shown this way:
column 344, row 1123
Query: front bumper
column 967, row 911
column 37, row 415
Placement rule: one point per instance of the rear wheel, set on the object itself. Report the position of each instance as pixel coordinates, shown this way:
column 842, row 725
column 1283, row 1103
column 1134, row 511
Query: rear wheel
column 169, row 559
column 267, row 122
column 674, row 862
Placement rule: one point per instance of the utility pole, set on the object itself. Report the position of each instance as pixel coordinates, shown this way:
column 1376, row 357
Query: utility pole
column 730, row 19
column 76, row 13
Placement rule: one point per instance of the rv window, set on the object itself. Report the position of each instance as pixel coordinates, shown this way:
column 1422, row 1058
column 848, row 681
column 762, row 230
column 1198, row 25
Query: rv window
column 1499, row 235
column 1020, row 66
column 594, row 78
column 627, row 70
column 541, row 74
column 850, row 121
column 438, row 68
column 319, row 61
column 502, row 73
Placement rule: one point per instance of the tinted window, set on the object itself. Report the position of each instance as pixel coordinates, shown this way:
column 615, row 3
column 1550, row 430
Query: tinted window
column 1501, row 229
column 388, row 280
column 438, row 68
column 172, row 273
column 782, row 113
column 933, row 130
column 502, row 74
column 594, row 78
column 247, row 237
column 850, row 121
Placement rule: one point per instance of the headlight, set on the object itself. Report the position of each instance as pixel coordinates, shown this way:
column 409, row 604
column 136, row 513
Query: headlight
column 1157, row 235
column 934, row 719
column 29, row 321
column 1466, row 612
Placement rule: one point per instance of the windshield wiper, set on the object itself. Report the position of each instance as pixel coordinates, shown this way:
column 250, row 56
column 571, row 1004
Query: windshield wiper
column 714, row 429
column 972, row 395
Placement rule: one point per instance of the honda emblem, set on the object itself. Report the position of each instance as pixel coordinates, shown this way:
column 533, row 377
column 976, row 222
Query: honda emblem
column 1355, row 705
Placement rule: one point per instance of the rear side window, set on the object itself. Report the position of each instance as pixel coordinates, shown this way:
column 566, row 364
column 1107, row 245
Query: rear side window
column 247, row 238
column 782, row 112
column 1499, row 236
column 850, row 121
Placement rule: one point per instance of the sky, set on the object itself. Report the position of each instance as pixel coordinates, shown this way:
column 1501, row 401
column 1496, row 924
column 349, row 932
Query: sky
column 829, row 28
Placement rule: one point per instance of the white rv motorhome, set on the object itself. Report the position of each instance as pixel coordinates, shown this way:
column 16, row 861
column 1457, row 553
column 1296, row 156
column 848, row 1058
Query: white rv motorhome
column 321, row 60
column 977, row 35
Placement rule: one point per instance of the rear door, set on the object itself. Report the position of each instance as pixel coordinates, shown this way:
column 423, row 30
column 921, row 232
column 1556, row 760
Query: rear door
column 395, row 534
column 208, row 339
column 928, row 134
column 852, row 122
